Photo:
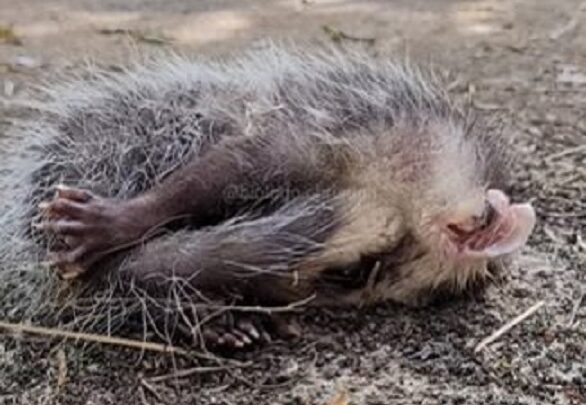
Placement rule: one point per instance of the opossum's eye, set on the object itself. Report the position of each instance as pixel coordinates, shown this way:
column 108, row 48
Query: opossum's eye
column 502, row 228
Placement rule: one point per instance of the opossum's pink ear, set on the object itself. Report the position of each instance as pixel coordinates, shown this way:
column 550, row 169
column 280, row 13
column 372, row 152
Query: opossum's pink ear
column 506, row 229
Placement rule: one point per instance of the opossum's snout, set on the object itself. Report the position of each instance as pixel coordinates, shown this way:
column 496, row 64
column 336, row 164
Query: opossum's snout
column 490, row 228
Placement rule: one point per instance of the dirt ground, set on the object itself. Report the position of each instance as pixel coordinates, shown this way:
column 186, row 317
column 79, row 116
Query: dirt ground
column 523, row 58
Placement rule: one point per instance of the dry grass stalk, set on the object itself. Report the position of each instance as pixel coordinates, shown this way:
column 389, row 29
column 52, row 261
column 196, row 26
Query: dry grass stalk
column 90, row 337
column 508, row 326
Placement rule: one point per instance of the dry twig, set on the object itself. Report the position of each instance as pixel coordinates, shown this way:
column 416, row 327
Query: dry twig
column 508, row 326
column 151, row 390
column 567, row 152
column 194, row 370
column 575, row 309
column 266, row 310
column 61, row 369
column 90, row 337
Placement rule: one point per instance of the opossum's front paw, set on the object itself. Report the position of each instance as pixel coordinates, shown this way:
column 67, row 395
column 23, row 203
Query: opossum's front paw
column 247, row 331
column 90, row 228
column 239, row 335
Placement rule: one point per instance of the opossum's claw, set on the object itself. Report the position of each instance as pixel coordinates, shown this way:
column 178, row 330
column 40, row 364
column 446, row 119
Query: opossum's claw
column 241, row 338
column 249, row 328
column 67, row 264
column 226, row 340
column 72, row 271
column 67, row 257
column 62, row 207
column 231, row 341
column 74, row 194
column 247, row 332
column 242, row 334
column 62, row 227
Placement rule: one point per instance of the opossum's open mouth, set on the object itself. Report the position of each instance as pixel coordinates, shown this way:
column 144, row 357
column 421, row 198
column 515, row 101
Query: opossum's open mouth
column 501, row 229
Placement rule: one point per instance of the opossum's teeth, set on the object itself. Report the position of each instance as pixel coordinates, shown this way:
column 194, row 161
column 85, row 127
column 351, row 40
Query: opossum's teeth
column 502, row 229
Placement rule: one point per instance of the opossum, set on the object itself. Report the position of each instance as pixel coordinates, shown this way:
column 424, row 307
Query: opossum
column 326, row 177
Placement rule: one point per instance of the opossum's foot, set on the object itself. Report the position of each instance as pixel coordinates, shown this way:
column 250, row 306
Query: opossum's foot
column 243, row 332
column 89, row 227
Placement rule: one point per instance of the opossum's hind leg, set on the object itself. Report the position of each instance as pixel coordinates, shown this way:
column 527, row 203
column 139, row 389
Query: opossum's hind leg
column 248, row 262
